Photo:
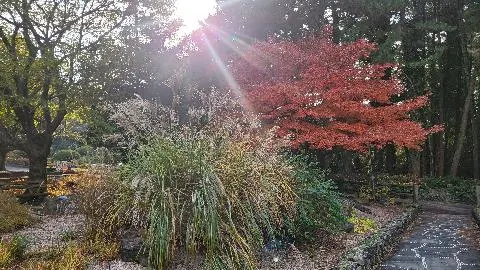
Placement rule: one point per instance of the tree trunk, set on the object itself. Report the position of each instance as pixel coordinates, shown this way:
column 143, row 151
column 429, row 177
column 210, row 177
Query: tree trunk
column 431, row 155
column 38, row 151
column 415, row 172
column 335, row 22
column 476, row 149
column 390, row 159
column 476, row 168
column 440, row 152
column 347, row 162
column 37, row 174
column 463, row 126
column 371, row 172
column 3, row 157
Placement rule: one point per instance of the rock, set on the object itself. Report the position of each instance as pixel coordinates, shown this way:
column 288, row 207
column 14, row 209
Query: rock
column 57, row 205
column 131, row 248
column 349, row 227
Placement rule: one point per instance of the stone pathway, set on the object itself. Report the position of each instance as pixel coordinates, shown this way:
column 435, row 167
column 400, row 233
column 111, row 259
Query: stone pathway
column 436, row 242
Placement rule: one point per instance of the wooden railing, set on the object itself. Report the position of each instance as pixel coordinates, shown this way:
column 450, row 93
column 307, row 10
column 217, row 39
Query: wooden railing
column 18, row 181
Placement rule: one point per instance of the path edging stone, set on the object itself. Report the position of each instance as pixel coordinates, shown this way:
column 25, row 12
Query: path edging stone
column 373, row 250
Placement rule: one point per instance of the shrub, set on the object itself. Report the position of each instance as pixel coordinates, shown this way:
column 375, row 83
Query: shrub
column 98, row 197
column 65, row 155
column 319, row 206
column 74, row 255
column 17, row 158
column 362, row 225
column 102, row 155
column 369, row 194
column 71, row 258
column 85, row 150
column 12, row 251
column 203, row 195
column 13, row 215
column 212, row 186
column 448, row 189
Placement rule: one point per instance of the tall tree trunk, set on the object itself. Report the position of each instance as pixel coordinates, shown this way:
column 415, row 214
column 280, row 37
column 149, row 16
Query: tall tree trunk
column 440, row 139
column 335, row 21
column 415, row 170
column 3, row 157
column 463, row 125
column 371, row 171
column 453, row 78
column 390, row 159
column 431, row 155
column 476, row 159
column 37, row 174
column 347, row 162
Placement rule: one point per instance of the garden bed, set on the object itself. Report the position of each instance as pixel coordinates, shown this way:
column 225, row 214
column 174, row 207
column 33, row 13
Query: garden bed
column 373, row 249
column 327, row 251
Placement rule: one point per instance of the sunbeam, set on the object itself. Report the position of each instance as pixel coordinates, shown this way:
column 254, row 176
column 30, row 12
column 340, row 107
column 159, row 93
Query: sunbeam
column 240, row 47
column 231, row 82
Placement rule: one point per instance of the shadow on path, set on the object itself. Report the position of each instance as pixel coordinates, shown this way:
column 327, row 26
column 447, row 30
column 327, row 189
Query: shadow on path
column 436, row 243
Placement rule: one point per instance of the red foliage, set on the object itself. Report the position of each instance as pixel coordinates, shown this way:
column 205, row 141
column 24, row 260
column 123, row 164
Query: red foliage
column 325, row 94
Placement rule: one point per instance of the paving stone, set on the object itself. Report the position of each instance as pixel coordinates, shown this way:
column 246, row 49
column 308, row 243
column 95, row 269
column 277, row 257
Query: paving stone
column 470, row 267
column 436, row 244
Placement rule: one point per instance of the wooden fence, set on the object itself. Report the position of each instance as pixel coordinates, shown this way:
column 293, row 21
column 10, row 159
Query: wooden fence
column 18, row 182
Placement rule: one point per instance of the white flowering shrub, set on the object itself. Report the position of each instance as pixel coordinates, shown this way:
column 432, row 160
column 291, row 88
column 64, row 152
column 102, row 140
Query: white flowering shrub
column 212, row 112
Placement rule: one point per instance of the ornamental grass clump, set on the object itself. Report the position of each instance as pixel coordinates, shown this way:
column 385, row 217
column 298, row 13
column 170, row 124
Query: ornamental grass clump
column 209, row 196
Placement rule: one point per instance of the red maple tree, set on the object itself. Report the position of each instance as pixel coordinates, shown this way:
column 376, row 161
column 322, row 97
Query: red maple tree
column 327, row 94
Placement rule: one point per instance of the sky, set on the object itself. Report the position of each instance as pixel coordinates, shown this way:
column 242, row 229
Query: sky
column 192, row 12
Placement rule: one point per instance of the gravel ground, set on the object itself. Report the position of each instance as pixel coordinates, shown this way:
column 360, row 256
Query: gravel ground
column 116, row 265
column 48, row 231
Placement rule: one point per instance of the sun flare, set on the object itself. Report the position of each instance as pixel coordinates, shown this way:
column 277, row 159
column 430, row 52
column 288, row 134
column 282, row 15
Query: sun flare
column 192, row 12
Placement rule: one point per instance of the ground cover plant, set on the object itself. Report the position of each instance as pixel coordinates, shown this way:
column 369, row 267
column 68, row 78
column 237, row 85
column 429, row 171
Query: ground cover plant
column 73, row 255
column 13, row 215
column 12, row 250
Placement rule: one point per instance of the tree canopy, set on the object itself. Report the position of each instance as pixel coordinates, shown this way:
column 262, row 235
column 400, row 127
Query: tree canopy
column 326, row 94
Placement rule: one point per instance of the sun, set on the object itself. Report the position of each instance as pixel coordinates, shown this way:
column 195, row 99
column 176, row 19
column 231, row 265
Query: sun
column 192, row 12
